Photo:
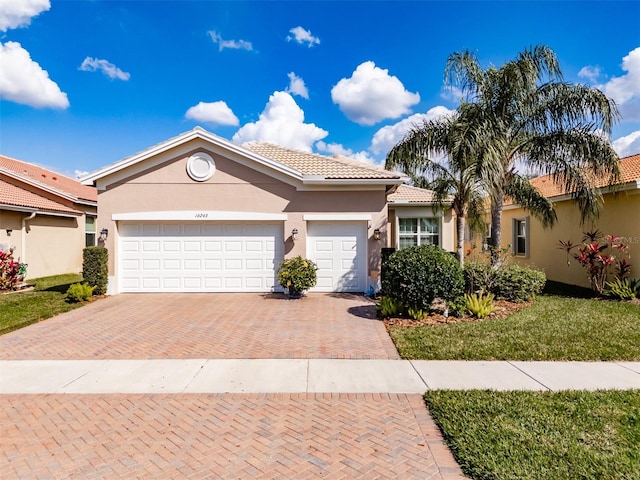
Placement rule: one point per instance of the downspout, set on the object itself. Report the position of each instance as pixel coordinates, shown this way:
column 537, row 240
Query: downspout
column 23, row 250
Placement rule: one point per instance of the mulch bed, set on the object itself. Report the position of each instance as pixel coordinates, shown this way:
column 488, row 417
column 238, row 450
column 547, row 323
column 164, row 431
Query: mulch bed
column 503, row 309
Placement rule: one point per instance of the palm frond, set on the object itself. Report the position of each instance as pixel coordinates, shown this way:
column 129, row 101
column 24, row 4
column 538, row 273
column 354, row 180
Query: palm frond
column 522, row 192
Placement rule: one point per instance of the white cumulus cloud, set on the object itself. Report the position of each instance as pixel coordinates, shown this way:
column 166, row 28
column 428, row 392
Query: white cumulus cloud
column 301, row 36
column 340, row 150
column 371, row 95
column 232, row 44
column 24, row 81
column 282, row 123
column 589, row 72
column 18, row 13
column 297, row 86
column 627, row 145
column 624, row 88
column 385, row 138
column 90, row 64
column 218, row 113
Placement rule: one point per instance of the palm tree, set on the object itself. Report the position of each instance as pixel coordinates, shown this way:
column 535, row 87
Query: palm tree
column 456, row 179
column 530, row 116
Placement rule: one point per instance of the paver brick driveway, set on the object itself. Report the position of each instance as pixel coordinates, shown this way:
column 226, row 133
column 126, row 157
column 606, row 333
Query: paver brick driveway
column 146, row 326
column 234, row 436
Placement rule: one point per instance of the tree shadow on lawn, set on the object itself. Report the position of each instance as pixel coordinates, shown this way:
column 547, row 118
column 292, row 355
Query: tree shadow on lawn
column 565, row 290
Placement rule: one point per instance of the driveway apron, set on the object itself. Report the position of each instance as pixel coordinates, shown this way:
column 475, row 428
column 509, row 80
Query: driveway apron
column 227, row 435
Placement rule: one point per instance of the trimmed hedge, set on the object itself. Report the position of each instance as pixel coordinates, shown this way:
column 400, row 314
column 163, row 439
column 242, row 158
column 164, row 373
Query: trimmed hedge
column 418, row 275
column 511, row 282
column 518, row 284
column 94, row 268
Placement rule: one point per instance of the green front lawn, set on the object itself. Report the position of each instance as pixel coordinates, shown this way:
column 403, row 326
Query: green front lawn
column 541, row 435
column 553, row 328
column 20, row 309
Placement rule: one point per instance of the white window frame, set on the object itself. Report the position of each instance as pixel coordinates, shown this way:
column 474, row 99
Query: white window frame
column 88, row 233
column 515, row 236
column 418, row 234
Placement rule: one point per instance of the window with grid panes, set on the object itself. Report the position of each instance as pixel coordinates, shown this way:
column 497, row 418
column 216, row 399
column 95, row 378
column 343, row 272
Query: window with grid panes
column 418, row 231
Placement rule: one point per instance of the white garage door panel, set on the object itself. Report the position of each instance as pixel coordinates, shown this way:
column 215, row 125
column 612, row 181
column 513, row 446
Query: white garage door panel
column 339, row 249
column 199, row 257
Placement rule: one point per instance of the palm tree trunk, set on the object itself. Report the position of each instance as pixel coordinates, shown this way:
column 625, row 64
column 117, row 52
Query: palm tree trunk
column 496, row 227
column 460, row 225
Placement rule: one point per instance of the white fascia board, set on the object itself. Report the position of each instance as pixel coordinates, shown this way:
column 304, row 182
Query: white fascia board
column 17, row 208
column 200, row 216
column 413, row 204
column 319, row 180
column 50, row 213
column 336, row 217
column 197, row 133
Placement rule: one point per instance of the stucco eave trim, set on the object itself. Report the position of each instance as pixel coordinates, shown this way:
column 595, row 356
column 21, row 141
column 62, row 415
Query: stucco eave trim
column 200, row 216
column 336, row 217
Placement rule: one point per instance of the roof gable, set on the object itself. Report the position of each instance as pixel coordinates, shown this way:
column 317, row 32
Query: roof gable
column 295, row 167
column 48, row 180
column 15, row 197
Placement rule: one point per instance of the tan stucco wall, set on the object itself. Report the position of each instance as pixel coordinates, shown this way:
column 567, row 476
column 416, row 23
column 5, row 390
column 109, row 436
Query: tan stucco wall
column 53, row 245
column 10, row 220
column 234, row 188
column 620, row 216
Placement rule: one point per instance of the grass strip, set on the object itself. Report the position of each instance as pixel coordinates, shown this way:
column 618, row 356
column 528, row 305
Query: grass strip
column 541, row 435
column 20, row 309
column 553, row 328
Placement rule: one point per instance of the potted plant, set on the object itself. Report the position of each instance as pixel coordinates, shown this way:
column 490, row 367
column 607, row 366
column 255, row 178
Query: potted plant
column 297, row 275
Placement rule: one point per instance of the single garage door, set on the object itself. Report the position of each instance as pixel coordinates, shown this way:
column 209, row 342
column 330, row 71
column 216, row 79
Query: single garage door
column 199, row 257
column 340, row 250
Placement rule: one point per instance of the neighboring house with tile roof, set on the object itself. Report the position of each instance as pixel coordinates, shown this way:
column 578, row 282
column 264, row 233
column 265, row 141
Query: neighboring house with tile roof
column 47, row 217
column 620, row 216
column 198, row 213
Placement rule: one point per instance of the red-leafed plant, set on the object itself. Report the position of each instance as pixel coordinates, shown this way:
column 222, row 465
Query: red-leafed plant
column 598, row 255
column 9, row 271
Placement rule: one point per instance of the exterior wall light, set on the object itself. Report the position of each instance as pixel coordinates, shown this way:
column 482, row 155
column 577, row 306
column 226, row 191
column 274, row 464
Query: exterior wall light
column 376, row 234
column 9, row 232
column 294, row 234
column 104, row 233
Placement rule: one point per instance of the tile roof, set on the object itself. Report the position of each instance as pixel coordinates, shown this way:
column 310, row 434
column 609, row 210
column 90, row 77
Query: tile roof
column 409, row 194
column 629, row 172
column 16, row 196
column 337, row 167
column 39, row 175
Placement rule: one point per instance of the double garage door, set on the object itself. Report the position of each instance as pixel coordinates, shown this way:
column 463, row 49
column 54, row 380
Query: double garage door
column 234, row 257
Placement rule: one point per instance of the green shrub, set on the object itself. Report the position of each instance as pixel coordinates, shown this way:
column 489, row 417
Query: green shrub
column 518, row 284
column 79, row 292
column 457, row 307
column 418, row 275
column 479, row 305
column 621, row 289
column 478, row 277
column 94, row 268
column 389, row 307
column 297, row 274
column 417, row 313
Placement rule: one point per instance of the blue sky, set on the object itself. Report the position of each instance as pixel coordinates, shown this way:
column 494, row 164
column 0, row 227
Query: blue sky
column 87, row 83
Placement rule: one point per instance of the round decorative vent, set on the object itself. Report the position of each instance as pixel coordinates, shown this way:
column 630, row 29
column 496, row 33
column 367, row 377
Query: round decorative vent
column 201, row 166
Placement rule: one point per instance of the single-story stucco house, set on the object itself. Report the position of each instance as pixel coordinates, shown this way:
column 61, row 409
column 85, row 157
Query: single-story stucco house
column 531, row 244
column 46, row 217
column 198, row 213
